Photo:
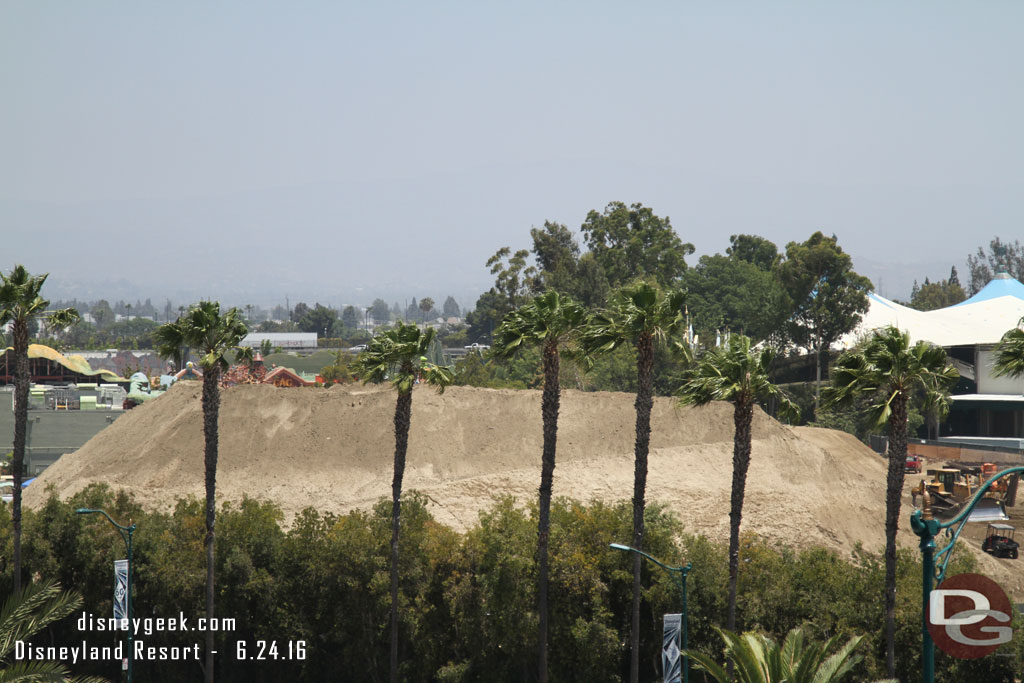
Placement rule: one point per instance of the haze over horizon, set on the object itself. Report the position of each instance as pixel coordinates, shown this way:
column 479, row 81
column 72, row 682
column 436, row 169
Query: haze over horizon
column 338, row 152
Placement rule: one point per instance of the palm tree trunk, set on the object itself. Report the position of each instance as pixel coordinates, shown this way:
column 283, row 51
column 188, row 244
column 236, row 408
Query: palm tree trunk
column 403, row 418
column 644, row 402
column 549, row 413
column 21, row 382
column 743, row 415
column 211, row 410
column 893, row 493
column 817, row 378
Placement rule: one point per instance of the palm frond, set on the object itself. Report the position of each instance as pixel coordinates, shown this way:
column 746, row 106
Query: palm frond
column 43, row 672
column 759, row 659
column 169, row 339
column 548, row 317
column 734, row 372
column 398, row 356
column 747, row 652
column 20, row 298
column 62, row 319
column 437, row 376
column 887, row 367
column 1009, row 354
column 205, row 328
column 839, row 664
column 636, row 311
column 703, row 662
column 34, row 608
column 245, row 354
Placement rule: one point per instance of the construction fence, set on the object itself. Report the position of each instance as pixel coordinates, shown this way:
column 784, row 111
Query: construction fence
column 941, row 451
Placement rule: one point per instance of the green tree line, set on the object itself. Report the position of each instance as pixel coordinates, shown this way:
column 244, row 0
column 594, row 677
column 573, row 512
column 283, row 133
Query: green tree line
column 469, row 598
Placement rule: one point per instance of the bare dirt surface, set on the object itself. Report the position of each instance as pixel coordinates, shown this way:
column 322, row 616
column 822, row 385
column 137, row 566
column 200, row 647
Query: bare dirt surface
column 1006, row 572
column 332, row 449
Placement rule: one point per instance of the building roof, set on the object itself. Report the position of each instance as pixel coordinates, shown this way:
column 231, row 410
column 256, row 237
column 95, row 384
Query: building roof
column 74, row 362
column 288, row 376
column 1016, row 398
column 286, row 340
column 1001, row 285
column 979, row 320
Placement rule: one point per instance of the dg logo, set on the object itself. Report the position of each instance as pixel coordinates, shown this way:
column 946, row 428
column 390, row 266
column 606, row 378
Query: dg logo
column 969, row 616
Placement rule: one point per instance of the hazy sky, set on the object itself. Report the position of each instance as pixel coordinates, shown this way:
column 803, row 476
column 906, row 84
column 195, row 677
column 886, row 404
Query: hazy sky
column 339, row 151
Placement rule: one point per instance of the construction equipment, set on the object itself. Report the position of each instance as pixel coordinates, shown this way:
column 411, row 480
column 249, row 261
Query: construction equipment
column 954, row 485
column 999, row 541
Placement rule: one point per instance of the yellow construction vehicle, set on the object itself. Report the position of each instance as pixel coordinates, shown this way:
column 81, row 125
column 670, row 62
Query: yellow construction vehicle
column 952, row 486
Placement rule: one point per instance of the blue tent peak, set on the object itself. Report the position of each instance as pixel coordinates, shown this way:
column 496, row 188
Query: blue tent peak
column 1001, row 285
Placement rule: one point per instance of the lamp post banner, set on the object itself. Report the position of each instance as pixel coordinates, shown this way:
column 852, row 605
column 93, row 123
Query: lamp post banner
column 120, row 589
column 969, row 616
column 671, row 656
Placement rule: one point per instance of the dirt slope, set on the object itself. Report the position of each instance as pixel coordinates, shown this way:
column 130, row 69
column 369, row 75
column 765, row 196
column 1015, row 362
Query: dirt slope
column 332, row 449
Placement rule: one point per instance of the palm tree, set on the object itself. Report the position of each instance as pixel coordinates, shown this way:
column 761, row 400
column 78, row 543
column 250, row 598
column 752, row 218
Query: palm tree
column 889, row 372
column 24, row 614
column 398, row 356
column 170, row 342
column 20, row 303
column 737, row 374
column 637, row 316
column 426, row 304
column 212, row 334
column 759, row 659
column 548, row 321
column 1009, row 358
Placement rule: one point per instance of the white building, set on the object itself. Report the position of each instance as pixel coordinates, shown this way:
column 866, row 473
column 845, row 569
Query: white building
column 985, row 407
column 290, row 341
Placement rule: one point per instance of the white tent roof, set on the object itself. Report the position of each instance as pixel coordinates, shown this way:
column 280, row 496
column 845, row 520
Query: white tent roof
column 975, row 321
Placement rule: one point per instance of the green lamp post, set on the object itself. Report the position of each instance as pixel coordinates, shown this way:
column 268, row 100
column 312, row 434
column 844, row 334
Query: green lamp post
column 126, row 536
column 927, row 527
column 681, row 573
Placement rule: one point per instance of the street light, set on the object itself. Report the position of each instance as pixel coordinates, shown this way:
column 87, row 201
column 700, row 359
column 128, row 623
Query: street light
column 681, row 572
column 934, row 563
column 126, row 536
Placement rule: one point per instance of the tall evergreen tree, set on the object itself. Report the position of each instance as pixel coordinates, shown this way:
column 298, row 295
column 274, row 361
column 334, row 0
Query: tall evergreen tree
column 350, row 318
column 828, row 297
column 632, row 242
column 451, row 308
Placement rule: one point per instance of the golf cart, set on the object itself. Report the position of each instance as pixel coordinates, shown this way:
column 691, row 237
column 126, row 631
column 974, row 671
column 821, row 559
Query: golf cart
column 999, row 541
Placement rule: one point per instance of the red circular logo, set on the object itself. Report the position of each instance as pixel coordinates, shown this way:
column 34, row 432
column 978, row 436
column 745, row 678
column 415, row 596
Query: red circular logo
column 969, row 616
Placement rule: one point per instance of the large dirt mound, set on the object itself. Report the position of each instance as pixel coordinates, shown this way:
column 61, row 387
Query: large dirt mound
column 332, row 449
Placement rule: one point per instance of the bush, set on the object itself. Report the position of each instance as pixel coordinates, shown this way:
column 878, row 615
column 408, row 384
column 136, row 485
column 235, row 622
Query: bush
column 468, row 601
